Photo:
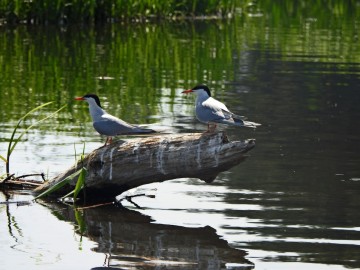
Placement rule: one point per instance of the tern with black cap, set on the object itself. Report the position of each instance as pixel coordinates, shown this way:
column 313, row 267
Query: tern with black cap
column 107, row 124
column 211, row 111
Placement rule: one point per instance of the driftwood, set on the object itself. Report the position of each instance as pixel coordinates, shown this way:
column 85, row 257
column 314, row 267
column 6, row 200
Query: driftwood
column 123, row 165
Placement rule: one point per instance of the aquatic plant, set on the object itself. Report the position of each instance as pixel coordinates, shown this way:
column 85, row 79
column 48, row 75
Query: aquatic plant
column 80, row 184
column 58, row 185
column 76, row 11
column 14, row 141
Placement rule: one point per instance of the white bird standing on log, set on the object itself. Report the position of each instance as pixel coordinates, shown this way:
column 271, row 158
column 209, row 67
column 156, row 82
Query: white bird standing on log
column 211, row 111
column 107, row 124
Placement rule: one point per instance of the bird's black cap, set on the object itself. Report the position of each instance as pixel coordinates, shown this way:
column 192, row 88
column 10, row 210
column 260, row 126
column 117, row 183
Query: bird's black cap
column 97, row 100
column 204, row 87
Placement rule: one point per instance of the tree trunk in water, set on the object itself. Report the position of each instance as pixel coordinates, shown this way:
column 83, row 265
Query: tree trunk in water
column 123, row 165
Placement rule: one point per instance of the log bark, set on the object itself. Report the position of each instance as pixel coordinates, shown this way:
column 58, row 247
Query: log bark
column 123, row 165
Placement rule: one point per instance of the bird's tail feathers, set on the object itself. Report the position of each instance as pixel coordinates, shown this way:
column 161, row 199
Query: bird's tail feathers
column 251, row 124
column 238, row 117
column 146, row 130
column 246, row 123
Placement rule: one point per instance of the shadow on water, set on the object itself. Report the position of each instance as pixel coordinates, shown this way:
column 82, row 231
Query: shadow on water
column 129, row 238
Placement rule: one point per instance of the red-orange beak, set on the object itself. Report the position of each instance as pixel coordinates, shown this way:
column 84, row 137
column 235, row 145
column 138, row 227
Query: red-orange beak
column 79, row 98
column 187, row 91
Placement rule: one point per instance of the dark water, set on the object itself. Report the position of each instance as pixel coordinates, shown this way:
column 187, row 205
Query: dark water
column 293, row 203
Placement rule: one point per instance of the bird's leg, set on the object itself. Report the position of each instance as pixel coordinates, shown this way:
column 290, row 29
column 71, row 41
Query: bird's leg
column 208, row 129
column 108, row 141
column 214, row 127
column 211, row 128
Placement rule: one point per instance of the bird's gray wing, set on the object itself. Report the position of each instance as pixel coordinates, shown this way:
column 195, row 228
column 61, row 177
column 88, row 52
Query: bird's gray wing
column 212, row 110
column 219, row 113
column 229, row 115
column 110, row 125
column 233, row 119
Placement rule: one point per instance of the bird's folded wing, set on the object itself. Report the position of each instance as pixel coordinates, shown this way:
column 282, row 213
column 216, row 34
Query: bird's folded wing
column 112, row 126
column 218, row 112
column 235, row 116
column 213, row 109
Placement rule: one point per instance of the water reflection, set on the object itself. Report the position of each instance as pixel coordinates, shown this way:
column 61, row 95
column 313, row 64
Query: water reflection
column 130, row 240
column 43, row 240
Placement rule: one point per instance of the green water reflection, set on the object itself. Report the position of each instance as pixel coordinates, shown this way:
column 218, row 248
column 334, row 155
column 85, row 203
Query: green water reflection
column 132, row 63
column 290, row 67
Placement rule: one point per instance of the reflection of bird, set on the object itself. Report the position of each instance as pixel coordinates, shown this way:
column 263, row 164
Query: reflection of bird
column 209, row 110
column 109, row 125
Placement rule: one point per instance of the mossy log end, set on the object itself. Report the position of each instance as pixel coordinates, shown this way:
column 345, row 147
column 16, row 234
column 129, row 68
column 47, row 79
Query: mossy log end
column 123, row 165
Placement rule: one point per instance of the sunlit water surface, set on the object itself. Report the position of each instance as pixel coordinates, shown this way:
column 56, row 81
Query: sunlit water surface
column 293, row 203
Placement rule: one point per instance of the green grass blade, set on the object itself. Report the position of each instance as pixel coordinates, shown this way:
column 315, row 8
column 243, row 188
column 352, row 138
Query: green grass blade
column 22, row 118
column 31, row 126
column 75, row 152
column 58, row 185
column 80, row 182
column 80, row 221
column 83, row 153
column 10, row 145
column 37, row 108
column 3, row 158
column 67, row 195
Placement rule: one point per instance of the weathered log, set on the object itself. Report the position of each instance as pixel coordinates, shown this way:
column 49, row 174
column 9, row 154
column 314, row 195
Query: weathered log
column 123, row 165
